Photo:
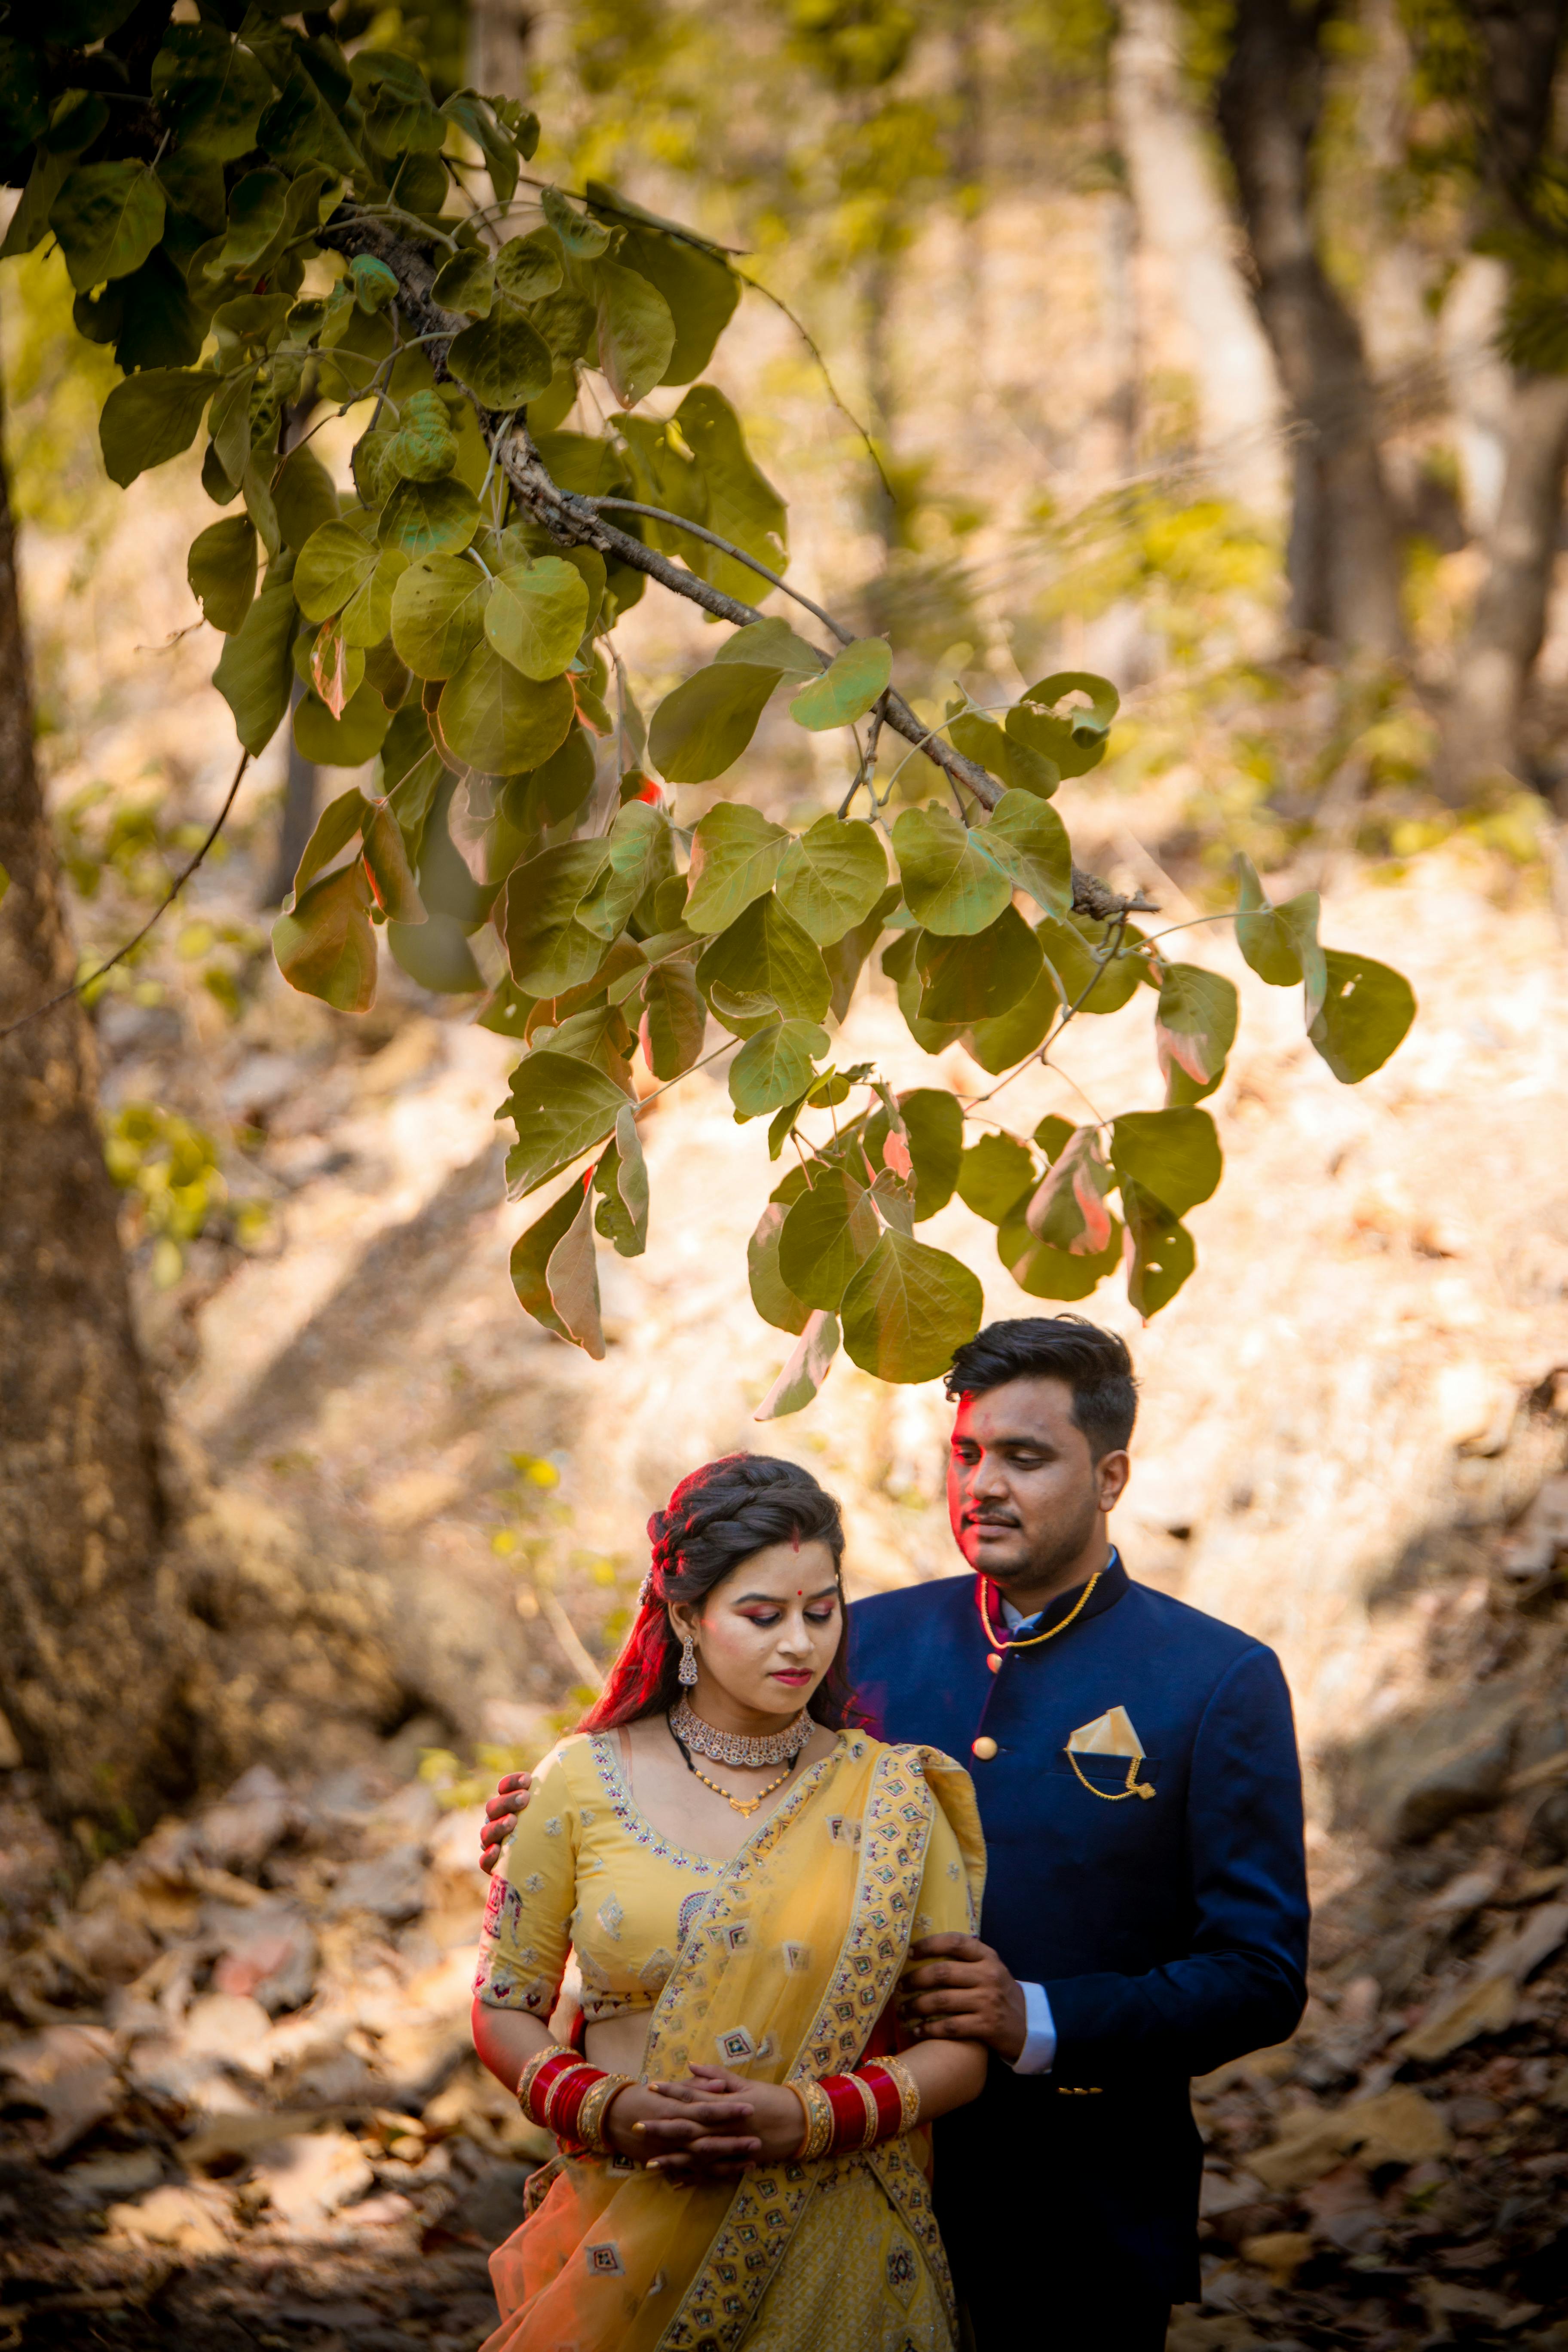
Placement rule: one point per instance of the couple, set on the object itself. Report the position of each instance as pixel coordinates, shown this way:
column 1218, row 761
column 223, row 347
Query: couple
column 774, row 1913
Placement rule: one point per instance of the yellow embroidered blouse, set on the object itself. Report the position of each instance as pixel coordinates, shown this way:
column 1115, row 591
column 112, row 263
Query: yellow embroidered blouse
column 585, row 1872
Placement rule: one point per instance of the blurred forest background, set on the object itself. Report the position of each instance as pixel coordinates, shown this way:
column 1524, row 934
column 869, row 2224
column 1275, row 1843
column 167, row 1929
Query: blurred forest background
column 1223, row 349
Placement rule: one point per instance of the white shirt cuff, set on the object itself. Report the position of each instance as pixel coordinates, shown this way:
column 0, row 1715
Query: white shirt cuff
column 1038, row 2053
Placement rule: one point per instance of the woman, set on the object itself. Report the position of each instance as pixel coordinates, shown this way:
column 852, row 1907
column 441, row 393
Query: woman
column 740, row 1873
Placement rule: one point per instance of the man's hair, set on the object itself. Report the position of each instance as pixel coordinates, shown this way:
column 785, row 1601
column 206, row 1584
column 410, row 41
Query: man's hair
column 1094, row 1364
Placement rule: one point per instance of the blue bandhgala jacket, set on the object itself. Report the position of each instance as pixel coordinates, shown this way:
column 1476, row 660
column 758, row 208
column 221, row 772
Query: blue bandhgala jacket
column 1170, row 1932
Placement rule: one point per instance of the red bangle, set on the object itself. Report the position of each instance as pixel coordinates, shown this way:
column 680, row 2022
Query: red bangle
column 890, row 2101
column 543, row 2077
column 565, row 2102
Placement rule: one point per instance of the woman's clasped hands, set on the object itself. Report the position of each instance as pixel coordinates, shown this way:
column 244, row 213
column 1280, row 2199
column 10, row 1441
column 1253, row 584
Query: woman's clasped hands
column 707, row 2126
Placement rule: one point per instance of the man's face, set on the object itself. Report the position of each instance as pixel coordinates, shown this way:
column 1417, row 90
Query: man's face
column 1024, row 1494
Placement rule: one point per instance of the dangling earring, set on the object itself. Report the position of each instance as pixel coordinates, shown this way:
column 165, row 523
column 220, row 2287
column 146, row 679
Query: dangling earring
column 687, row 1675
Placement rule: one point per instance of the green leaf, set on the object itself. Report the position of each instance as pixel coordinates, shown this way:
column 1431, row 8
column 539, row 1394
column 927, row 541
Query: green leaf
column 436, row 955
column 392, row 877
column 1194, row 1028
column 304, row 496
column 424, row 447
column 256, row 668
column 621, row 1180
column 531, row 1253
column 909, row 1309
column 772, row 644
column 547, row 950
column 1020, row 769
column 221, row 569
column 150, row 419
column 637, row 334
column 772, row 1297
column 572, row 1278
column 1174, row 1156
column 256, row 213
column 400, row 115
column 209, row 91
column 639, row 853
column 736, row 853
column 743, row 505
column 1002, row 1044
column 502, row 360
column 1046, row 1273
column 559, row 788
column 1366, row 1011
column 430, row 518
column 1029, row 842
column 326, row 948
column 108, row 218
column 831, row 878
column 806, row 1371
column 479, row 119
column 340, row 823
column 764, row 956
column 335, row 561
column 437, row 615
column 528, row 269
column 845, row 957
column 1053, row 1134
column 975, row 979
column 229, row 424
column 674, row 1020
column 1163, row 1252
column 467, row 284
column 1280, row 943
column 1068, row 1211
column 933, row 1125
column 584, row 239
column 300, row 128
column 775, row 1066
column 500, row 721
column 597, row 1034
column 705, row 725
column 696, row 282
column 996, row 1177
column 1074, row 742
column 367, row 616
column 160, row 326
column 950, row 885
column 1070, row 949
column 536, row 615
column 562, row 1108
column 346, row 742
column 827, row 1233
column 853, row 680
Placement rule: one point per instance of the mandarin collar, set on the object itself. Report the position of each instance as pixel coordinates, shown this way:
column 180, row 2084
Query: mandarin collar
column 1112, row 1587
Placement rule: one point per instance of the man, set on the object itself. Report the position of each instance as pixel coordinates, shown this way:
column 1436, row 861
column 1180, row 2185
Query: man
column 1145, row 1913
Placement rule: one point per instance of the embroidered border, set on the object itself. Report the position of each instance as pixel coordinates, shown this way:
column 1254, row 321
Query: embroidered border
column 721, row 2301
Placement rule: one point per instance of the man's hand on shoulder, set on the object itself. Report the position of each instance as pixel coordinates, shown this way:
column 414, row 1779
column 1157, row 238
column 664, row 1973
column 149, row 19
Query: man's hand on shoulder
column 501, row 1814
column 960, row 1991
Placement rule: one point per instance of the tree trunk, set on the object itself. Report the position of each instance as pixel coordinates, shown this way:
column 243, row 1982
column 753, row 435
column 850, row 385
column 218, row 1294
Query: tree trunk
column 1343, row 557
column 1482, row 728
column 1181, row 215
column 89, row 1659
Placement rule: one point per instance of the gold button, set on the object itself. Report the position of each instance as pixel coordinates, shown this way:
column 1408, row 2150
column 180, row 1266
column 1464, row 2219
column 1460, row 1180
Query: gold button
column 995, row 1663
column 985, row 1747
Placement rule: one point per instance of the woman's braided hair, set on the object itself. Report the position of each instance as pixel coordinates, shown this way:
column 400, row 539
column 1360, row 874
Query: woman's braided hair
column 718, row 1517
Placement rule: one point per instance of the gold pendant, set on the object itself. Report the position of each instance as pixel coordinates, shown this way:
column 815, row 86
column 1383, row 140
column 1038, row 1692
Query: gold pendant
column 747, row 1806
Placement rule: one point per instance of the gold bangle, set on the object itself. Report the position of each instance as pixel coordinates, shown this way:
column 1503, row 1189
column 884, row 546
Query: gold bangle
column 869, row 2101
column 526, row 2080
column 819, row 2120
column 592, row 2113
column 909, row 2091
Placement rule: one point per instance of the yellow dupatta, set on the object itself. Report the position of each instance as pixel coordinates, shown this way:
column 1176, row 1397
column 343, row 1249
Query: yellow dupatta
column 782, row 1976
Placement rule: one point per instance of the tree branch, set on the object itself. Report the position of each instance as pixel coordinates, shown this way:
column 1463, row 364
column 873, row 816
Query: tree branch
column 574, row 522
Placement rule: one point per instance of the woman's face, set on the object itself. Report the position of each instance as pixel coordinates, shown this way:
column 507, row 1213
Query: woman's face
column 766, row 1633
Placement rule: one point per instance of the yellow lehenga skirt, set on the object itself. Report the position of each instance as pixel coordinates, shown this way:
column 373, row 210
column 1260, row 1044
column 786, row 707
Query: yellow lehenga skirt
column 842, row 2255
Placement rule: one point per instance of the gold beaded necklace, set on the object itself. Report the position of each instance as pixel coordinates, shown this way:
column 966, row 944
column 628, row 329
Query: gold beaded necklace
column 998, row 1641
column 745, row 1806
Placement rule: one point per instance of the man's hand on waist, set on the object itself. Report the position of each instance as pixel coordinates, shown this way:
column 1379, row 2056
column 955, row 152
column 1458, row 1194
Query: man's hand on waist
column 960, row 1991
column 501, row 1817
